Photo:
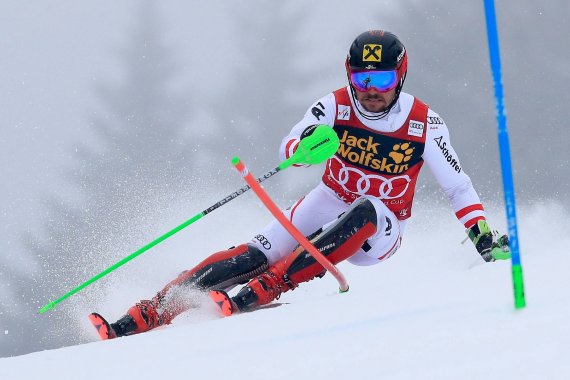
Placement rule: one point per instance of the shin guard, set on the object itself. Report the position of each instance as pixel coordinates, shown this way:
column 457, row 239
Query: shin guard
column 337, row 242
column 221, row 270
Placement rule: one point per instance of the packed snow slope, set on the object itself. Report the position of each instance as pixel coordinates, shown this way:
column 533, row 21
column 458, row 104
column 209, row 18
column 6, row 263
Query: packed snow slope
column 432, row 311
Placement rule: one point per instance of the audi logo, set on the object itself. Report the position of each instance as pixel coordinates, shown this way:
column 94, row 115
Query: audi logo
column 365, row 184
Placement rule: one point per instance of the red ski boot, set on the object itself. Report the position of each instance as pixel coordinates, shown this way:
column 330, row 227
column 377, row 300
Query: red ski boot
column 260, row 291
column 139, row 318
column 103, row 328
column 224, row 302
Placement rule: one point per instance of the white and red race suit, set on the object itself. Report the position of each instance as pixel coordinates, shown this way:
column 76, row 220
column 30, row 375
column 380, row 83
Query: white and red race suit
column 377, row 158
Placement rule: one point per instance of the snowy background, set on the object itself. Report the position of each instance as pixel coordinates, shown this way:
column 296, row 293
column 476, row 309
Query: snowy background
column 118, row 122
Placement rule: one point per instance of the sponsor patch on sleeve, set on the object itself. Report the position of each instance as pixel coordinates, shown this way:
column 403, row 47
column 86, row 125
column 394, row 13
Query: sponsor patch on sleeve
column 434, row 120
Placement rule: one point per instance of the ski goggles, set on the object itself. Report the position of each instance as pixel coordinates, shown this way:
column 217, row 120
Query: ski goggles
column 380, row 80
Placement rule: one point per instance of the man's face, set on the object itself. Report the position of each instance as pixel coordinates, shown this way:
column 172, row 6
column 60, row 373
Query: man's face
column 374, row 100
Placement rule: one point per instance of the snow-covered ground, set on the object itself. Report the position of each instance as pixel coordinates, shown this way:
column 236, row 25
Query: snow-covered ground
column 433, row 311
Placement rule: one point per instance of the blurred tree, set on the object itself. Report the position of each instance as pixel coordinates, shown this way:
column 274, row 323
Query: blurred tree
column 260, row 104
column 130, row 175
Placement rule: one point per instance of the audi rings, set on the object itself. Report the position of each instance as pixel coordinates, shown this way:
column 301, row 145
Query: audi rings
column 363, row 183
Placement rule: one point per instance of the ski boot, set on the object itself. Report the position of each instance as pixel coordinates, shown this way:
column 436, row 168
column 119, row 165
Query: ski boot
column 103, row 327
column 139, row 318
column 260, row 291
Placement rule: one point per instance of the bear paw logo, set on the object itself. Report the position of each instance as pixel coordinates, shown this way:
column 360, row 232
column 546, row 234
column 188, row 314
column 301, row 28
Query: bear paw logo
column 401, row 153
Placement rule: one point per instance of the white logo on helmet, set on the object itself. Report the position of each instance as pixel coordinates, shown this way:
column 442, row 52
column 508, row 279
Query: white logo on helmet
column 401, row 55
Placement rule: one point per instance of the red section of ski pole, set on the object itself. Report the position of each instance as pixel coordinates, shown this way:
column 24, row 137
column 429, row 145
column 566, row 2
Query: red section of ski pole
column 274, row 209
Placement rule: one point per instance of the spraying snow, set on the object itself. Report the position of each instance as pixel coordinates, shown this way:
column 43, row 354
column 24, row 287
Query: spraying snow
column 433, row 311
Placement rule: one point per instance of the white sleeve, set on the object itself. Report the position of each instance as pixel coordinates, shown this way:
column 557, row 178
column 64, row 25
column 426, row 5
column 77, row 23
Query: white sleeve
column 321, row 112
column 443, row 162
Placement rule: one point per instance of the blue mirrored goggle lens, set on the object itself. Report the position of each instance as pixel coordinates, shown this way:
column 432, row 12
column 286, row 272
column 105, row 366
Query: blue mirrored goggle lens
column 380, row 80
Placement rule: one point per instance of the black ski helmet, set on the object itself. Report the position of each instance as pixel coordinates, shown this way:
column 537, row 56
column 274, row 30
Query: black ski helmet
column 378, row 50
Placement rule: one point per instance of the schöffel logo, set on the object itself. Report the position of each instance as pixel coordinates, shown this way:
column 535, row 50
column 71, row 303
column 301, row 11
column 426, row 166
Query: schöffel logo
column 448, row 156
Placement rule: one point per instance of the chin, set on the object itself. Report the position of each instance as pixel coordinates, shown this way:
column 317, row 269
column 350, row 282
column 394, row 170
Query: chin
column 375, row 109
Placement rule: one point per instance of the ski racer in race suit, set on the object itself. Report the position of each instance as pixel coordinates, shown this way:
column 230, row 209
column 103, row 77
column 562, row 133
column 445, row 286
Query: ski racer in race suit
column 357, row 213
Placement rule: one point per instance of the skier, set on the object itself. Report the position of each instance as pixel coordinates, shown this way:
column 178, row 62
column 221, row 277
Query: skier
column 359, row 210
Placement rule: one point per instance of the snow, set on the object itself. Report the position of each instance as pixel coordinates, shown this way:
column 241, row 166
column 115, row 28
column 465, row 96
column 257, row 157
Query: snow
column 432, row 311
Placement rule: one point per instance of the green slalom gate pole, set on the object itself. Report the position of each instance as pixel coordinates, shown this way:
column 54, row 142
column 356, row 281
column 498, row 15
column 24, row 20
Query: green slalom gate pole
column 314, row 149
column 505, row 154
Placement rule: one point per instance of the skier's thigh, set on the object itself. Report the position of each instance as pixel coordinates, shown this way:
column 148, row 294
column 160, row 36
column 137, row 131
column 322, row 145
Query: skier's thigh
column 319, row 207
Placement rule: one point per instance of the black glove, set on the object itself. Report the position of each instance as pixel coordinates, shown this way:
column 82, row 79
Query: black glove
column 490, row 245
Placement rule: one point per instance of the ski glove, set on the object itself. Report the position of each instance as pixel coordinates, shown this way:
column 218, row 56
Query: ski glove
column 490, row 245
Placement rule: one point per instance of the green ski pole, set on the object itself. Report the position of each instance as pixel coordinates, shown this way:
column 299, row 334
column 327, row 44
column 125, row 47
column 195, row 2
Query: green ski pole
column 314, row 149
